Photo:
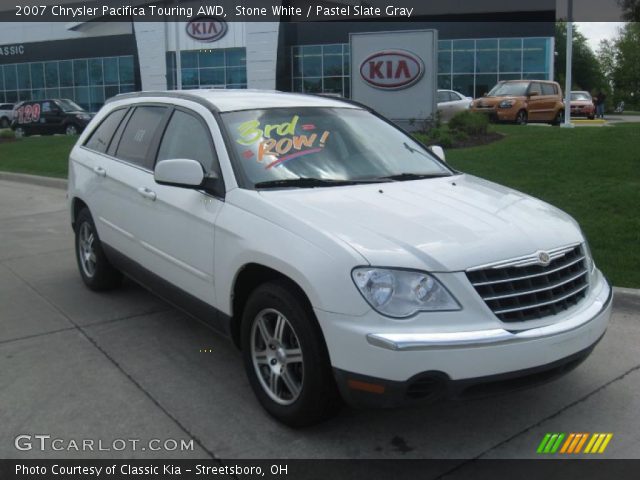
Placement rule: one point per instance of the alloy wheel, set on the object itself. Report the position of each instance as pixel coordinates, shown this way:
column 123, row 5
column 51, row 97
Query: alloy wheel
column 277, row 356
column 86, row 250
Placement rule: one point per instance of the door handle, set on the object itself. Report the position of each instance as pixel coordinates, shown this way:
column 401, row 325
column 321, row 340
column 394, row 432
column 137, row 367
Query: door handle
column 101, row 172
column 147, row 193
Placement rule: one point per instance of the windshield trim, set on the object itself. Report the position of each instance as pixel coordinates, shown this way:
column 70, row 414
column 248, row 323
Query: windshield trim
column 240, row 175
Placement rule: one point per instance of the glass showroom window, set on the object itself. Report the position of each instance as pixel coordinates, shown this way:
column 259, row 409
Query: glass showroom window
column 473, row 67
column 89, row 82
column 220, row 68
column 320, row 69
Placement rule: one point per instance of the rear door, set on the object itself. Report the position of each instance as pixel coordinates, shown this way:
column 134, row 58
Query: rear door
column 123, row 171
column 536, row 102
column 52, row 117
column 177, row 231
column 550, row 96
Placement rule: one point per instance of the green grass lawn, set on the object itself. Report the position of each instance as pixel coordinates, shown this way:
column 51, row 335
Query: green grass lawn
column 37, row 155
column 591, row 173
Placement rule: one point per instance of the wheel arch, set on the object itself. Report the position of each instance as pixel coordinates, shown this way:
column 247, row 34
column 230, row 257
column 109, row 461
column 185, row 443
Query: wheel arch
column 248, row 278
column 77, row 204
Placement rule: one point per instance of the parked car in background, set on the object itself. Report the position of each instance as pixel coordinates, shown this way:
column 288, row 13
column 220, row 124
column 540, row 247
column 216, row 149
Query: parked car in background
column 523, row 101
column 341, row 256
column 46, row 117
column 6, row 114
column 582, row 105
column 451, row 102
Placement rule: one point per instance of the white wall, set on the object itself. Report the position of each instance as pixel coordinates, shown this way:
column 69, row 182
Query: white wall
column 151, row 38
column 262, row 53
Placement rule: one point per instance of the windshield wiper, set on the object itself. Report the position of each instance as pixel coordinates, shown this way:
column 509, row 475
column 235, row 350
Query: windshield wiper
column 400, row 177
column 305, row 182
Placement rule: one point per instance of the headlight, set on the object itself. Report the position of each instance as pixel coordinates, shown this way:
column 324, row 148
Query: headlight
column 507, row 103
column 83, row 116
column 402, row 293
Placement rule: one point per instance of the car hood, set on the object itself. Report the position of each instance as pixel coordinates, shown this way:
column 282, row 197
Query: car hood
column 445, row 224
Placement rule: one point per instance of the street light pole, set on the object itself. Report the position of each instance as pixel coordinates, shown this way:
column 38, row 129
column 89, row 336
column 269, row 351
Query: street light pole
column 568, row 83
column 178, row 52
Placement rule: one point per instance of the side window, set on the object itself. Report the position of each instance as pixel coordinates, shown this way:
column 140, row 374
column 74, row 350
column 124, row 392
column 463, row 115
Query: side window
column 138, row 135
column 443, row 97
column 535, row 87
column 100, row 138
column 548, row 89
column 186, row 136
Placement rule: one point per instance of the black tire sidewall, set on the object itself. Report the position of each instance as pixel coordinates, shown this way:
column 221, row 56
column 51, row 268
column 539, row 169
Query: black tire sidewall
column 525, row 117
column 318, row 397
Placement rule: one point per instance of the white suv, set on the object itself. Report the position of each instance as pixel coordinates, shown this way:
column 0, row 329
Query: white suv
column 344, row 258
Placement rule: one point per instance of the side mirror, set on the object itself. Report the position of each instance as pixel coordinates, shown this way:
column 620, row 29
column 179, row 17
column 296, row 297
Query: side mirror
column 180, row 172
column 438, row 151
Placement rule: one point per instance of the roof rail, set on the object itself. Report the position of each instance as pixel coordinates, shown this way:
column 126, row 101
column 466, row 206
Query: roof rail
column 166, row 94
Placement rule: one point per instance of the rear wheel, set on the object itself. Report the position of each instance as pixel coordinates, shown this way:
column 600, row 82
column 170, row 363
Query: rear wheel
column 4, row 122
column 285, row 357
column 522, row 117
column 96, row 271
column 559, row 118
column 20, row 132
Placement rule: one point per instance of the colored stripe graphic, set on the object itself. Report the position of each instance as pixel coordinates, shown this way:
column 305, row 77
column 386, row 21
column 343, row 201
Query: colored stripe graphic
column 573, row 443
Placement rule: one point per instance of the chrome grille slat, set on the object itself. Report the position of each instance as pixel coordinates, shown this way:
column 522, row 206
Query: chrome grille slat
column 520, row 291
column 530, row 276
column 550, row 287
column 525, row 307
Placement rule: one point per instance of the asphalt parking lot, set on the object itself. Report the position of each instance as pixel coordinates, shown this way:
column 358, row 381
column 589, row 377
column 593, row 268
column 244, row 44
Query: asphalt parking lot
column 124, row 365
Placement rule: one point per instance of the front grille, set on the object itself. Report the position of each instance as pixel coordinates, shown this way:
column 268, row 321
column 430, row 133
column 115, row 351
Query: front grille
column 520, row 290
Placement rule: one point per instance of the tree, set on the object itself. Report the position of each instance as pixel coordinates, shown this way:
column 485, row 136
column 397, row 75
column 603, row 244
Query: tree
column 626, row 72
column 587, row 73
column 630, row 9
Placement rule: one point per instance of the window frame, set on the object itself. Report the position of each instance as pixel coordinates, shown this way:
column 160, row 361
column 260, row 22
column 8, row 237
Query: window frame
column 115, row 131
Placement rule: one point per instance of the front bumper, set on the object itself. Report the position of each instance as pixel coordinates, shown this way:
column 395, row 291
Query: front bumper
column 390, row 363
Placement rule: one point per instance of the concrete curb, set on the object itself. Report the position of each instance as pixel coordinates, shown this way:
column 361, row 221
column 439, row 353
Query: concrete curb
column 60, row 183
column 627, row 291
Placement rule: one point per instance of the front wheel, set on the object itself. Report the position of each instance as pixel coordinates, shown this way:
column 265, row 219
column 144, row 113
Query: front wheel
column 96, row 271
column 522, row 117
column 20, row 132
column 71, row 129
column 285, row 357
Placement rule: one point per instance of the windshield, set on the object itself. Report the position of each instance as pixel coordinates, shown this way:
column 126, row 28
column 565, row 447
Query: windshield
column 330, row 144
column 580, row 96
column 516, row 89
column 69, row 106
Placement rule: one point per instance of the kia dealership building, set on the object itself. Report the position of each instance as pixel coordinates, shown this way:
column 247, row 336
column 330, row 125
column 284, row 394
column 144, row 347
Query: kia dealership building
column 90, row 62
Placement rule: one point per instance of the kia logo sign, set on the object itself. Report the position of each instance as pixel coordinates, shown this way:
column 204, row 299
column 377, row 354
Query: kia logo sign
column 206, row 29
column 392, row 69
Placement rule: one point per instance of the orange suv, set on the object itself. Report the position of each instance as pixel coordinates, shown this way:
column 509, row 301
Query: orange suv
column 523, row 101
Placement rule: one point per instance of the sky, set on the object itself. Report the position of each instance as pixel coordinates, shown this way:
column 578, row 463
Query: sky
column 596, row 31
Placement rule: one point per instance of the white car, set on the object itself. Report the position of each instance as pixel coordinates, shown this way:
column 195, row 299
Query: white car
column 6, row 114
column 344, row 258
column 451, row 102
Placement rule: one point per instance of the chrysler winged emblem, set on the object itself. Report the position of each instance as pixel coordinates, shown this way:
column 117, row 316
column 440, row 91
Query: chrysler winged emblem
column 544, row 259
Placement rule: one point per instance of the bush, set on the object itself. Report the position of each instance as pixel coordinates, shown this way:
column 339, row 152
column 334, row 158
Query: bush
column 436, row 136
column 469, row 123
column 7, row 134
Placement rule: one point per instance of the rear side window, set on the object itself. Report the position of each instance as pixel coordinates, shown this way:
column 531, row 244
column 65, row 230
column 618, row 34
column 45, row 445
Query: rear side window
column 99, row 140
column 186, row 136
column 549, row 89
column 138, row 135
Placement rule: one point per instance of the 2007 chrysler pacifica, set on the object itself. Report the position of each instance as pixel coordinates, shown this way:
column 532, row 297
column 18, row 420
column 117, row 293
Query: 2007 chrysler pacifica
column 345, row 259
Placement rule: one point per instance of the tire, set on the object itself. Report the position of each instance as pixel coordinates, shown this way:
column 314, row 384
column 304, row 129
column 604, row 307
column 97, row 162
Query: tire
column 20, row 132
column 96, row 271
column 559, row 118
column 522, row 117
column 591, row 117
column 283, row 346
column 4, row 122
column 71, row 129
